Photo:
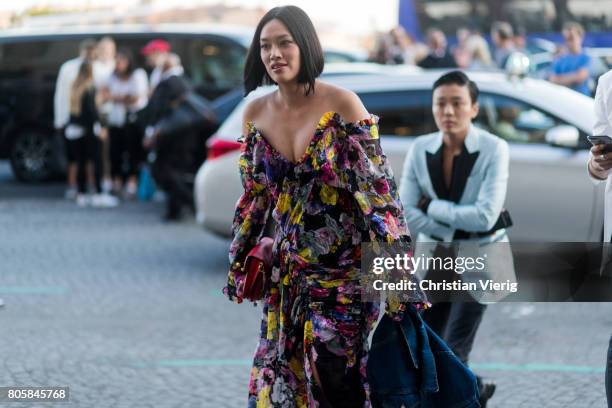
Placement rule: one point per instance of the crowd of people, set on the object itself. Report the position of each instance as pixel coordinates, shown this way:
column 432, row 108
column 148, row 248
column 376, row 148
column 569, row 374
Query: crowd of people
column 471, row 51
column 116, row 120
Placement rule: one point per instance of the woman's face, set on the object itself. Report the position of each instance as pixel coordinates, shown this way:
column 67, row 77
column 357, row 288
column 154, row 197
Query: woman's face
column 279, row 52
column 121, row 63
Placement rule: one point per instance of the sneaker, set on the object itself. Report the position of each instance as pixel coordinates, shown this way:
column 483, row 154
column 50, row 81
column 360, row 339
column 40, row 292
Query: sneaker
column 107, row 185
column 71, row 193
column 83, row 200
column 104, row 201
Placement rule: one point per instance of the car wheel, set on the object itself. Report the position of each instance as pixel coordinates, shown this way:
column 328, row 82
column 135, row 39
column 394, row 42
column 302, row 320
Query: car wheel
column 31, row 156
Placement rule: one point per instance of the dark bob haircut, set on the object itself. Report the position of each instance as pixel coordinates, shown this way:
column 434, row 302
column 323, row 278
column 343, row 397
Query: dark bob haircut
column 458, row 78
column 303, row 32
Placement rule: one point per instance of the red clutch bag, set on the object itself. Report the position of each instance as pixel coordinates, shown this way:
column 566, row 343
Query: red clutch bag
column 257, row 268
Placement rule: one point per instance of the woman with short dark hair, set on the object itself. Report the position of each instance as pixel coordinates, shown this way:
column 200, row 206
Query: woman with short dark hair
column 311, row 160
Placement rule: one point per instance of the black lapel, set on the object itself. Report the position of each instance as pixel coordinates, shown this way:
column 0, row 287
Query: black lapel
column 462, row 167
column 434, row 166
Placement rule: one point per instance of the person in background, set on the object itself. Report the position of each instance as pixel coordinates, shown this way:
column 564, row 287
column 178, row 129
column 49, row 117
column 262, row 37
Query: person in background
column 127, row 90
column 439, row 55
column 81, row 133
column 520, row 40
column 572, row 68
column 453, row 188
column 61, row 100
column 155, row 53
column 502, row 35
column 459, row 51
column 105, row 61
column 403, row 48
column 179, row 148
column 599, row 165
column 478, row 54
column 106, row 52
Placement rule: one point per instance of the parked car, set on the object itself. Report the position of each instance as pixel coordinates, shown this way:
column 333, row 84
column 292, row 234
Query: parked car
column 549, row 196
column 29, row 62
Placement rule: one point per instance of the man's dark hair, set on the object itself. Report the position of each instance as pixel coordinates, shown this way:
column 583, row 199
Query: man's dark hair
column 303, row 32
column 458, row 78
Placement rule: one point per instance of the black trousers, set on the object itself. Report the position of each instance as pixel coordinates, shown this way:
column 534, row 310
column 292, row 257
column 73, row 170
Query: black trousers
column 126, row 151
column 172, row 178
column 456, row 323
column 80, row 151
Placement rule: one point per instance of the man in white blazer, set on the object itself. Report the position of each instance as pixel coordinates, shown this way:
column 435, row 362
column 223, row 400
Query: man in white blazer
column 599, row 166
column 453, row 188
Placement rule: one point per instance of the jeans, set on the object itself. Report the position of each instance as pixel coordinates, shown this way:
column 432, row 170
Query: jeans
column 457, row 324
column 410, row 366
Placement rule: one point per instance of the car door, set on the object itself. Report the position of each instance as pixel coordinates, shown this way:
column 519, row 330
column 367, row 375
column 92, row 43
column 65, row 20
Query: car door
column 549, row 195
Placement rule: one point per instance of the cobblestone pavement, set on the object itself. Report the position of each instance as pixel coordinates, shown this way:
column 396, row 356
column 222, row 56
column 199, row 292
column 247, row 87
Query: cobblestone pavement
column 126, row 310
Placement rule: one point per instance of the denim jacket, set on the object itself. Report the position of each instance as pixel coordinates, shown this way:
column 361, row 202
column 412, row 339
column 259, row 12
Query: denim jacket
column 410, row 366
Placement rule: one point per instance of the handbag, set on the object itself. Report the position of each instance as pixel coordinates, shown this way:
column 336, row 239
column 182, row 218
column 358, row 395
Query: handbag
column 257, row 269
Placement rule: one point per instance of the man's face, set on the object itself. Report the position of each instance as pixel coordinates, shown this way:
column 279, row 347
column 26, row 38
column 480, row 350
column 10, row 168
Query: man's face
column 156, row 59
column 106, row 50
column 453, row 109
column 437, row 40
column 573, row 39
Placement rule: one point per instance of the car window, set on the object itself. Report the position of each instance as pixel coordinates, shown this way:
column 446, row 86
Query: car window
column 215, row 67
column 514, row 120
column 402, row 113
column 36, row 60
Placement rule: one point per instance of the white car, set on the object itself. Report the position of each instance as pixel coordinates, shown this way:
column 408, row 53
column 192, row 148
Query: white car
column 550, row 197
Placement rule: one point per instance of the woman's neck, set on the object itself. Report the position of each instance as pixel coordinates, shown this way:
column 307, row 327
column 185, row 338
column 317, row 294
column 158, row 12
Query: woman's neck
column 292, row 96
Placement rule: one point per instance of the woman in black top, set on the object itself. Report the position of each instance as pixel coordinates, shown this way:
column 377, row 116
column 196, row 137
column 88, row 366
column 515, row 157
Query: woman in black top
column 80, row 135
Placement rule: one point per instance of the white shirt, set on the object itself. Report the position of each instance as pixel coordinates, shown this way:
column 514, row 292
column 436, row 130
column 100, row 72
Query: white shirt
column 136, row 85
column 603, row 126
column 66, row 76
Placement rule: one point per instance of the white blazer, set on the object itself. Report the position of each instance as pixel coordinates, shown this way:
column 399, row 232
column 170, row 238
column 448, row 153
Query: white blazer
column 475, row 201
column 603, row 126
column 482, row 183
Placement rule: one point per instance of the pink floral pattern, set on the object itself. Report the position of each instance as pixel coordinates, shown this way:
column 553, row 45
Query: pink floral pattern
column 340, row 193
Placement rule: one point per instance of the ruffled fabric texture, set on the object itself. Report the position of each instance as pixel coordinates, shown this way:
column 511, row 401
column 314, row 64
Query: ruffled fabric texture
column 339, row 194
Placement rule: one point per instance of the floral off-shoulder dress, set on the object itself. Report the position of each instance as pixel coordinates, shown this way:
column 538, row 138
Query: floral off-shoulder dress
column 340, row 193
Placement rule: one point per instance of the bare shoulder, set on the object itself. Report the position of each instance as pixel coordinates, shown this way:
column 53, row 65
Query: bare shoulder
column 252, row 110
column 346, row 103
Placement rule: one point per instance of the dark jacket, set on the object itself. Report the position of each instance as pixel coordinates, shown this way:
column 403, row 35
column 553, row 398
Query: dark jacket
column 434, row 61
column 166, row 92
column 410, row 365
column 183, row 121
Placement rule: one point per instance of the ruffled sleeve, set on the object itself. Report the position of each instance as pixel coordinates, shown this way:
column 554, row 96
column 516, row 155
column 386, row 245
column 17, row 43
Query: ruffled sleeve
column 250, row 214
column 362, row 168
